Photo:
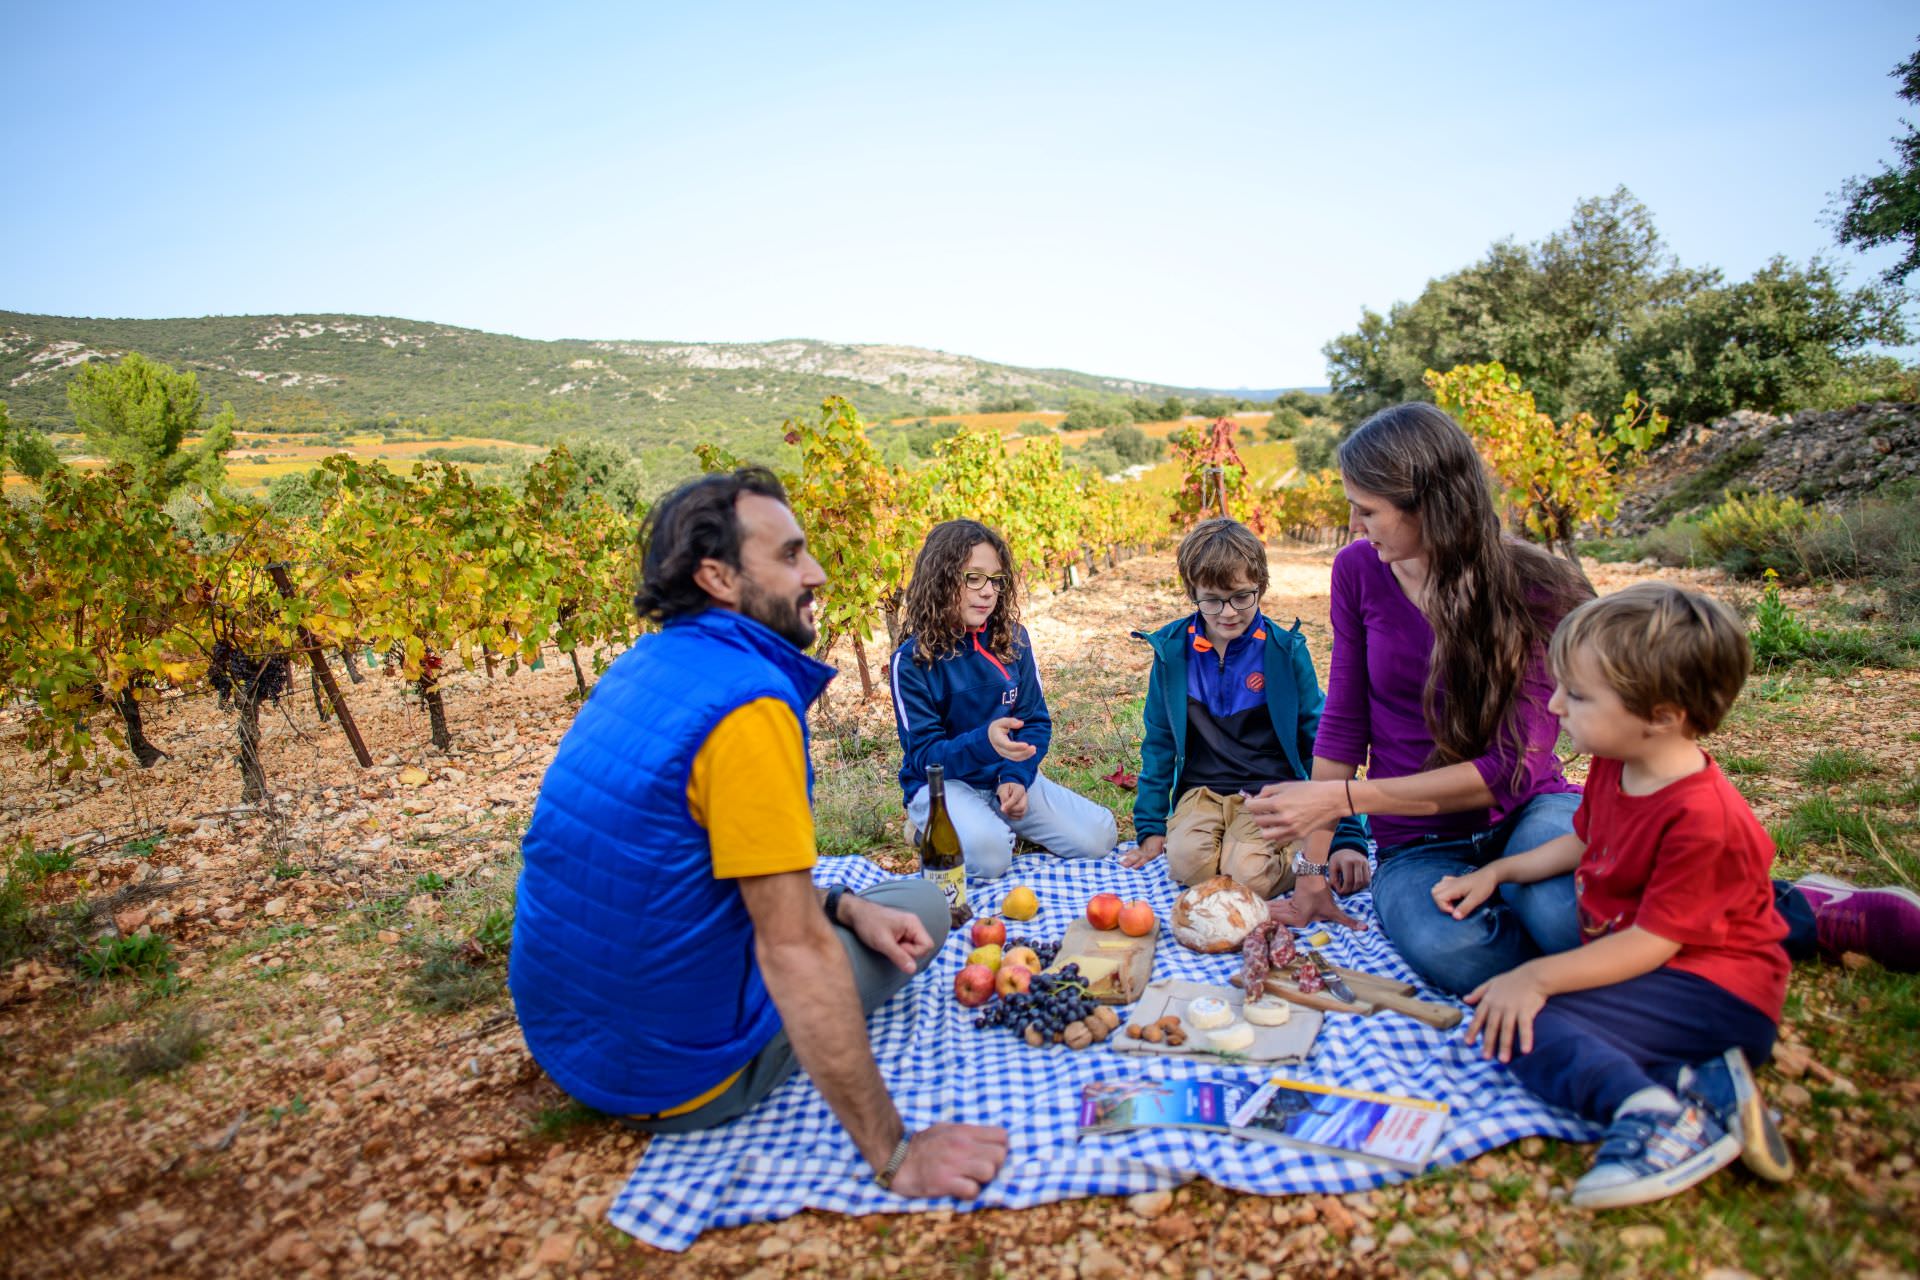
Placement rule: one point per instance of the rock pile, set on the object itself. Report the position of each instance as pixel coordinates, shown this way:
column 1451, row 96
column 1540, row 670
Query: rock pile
column 1828, row 458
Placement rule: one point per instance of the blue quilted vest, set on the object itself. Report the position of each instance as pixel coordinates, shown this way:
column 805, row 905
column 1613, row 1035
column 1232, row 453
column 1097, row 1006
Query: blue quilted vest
column 633, row 970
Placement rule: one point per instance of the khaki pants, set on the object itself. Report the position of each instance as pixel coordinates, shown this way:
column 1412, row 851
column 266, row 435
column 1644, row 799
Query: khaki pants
column 1210, row 834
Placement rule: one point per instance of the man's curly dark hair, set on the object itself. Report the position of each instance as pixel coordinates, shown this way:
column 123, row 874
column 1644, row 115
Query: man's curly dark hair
column 933, row 595
column 695, row 522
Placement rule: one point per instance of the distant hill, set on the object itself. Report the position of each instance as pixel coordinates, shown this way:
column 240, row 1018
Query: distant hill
column 334, row 372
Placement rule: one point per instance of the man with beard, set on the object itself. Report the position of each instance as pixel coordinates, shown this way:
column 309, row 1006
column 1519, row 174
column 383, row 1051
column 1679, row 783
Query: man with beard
column 672, row 959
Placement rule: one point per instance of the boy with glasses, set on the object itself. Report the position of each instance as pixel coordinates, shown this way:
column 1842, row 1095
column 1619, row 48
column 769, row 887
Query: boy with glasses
column 1232, row 705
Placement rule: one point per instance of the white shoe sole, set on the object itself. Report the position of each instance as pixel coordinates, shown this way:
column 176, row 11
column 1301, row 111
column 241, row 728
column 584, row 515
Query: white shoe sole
column 1762, row 1150
column 1659, row 1186
column 1837, row 885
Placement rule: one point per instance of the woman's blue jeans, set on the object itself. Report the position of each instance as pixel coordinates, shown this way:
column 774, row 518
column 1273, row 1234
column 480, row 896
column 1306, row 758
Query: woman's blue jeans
column 1521, row 922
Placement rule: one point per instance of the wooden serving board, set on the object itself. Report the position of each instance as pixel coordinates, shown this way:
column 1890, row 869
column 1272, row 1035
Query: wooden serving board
column 1372, row 993
column 1092, row 948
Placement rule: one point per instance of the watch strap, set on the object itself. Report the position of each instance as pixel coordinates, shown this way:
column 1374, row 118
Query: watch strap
column 1302, row 867
column 899, row 1157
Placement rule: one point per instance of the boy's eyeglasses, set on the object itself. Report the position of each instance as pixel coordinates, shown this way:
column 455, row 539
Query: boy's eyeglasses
column 1240, row 600
column 976, row 580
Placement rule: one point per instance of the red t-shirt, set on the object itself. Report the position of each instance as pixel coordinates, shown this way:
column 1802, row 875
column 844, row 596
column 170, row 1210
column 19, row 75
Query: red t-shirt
column 1691, row 864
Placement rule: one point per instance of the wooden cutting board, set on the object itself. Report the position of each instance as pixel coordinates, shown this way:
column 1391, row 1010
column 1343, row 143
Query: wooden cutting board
column 1372, row 993
column 1117, row 967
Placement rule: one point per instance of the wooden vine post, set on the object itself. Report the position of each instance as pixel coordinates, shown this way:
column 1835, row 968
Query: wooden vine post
column 311, row 647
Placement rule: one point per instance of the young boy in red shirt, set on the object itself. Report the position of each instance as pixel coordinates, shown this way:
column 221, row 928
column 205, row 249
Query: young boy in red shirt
column 1649, row 1027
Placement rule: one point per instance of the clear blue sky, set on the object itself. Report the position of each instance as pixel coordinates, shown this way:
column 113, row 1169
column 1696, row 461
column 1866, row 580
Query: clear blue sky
column 1199, row 194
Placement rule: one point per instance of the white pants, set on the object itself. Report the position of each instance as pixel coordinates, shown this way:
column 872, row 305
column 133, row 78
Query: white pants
column 1061, row 821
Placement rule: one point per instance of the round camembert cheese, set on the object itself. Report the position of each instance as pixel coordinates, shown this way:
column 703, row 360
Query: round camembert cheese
column 1269, row 1011
column 1208, row 1012
column 1231, row 1038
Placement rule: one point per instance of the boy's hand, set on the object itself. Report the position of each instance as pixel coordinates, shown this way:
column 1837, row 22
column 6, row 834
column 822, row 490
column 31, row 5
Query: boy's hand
column 1348, row 872
column 1504, row 1009
column 1013, row 800
column 1459, row 896
column 1000, row 734
column 1289, row 811
column 1144, row 852
column 1311, row 900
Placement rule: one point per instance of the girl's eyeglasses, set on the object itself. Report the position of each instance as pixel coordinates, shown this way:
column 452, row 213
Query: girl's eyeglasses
column 976, row 580
column 1240, row 600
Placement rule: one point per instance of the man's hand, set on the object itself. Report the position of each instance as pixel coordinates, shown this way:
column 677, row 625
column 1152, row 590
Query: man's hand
column 951, row 1160
column 1459, row 896
column 1000, row 734
column 1013, row 800
column 1348, row 871
column 1311, row 901
column 1144, row 852
column 1504, row 1009
column 1287, row 812
column 897, row 935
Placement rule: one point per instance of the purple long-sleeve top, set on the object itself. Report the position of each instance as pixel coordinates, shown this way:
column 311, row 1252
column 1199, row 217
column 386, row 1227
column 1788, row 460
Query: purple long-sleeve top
column 1382, row 646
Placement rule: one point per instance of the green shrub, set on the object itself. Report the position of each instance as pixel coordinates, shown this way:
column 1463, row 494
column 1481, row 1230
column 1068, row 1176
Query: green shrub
column 1036, row 427
column 1754, row 533
column 151, row 955
column 1777, row 634
column 1313, row 447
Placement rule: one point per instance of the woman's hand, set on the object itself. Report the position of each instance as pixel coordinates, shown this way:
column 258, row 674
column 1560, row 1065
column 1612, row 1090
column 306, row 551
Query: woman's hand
column 1013, row 801
column 1144, row 852
column 1000, row 734
column 1458, row 896
column 1287, row 812
column 1311, row 900
column 1504, row 1009
column 1348, row 871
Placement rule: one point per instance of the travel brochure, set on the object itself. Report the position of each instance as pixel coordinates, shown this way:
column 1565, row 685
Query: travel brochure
column 1380, row 1128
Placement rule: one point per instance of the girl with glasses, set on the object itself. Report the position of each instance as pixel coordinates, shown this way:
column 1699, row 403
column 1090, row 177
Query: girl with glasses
column 966, row 695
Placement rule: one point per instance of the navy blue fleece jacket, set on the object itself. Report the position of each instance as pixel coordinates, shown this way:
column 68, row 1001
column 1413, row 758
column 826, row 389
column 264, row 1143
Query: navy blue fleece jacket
column 942, row 712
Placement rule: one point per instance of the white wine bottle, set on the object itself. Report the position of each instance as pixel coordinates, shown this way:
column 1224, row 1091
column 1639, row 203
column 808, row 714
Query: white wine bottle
column 941, row 859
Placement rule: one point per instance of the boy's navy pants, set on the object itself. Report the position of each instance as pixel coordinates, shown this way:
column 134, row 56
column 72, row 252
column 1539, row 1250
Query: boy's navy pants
column 1593, row 1049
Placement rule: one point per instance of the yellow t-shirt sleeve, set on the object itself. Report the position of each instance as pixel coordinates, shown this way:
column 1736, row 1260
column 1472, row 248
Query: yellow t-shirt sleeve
column 748, row 788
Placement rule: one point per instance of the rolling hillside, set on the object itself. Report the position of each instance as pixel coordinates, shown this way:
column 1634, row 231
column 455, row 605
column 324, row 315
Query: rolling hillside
column 323, row 373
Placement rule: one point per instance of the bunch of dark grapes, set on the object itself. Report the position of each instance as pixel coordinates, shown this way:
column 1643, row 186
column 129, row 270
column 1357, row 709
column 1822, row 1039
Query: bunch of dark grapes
column 1054, row 1002
column 1047, row 951
column 230, row 668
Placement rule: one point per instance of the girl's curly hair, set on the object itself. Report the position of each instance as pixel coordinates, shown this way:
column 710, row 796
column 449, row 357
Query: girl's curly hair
column 933, row 594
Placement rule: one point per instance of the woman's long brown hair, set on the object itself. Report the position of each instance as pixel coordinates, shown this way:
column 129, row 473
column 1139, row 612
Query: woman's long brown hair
column 933, row 595
column 1493, row 600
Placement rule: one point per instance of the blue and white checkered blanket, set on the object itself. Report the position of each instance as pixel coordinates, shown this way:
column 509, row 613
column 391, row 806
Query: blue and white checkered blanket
column 790, row 1153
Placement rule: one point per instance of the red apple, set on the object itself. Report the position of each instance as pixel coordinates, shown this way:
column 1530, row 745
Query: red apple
column 1103, row 910
column 1136, row 919
column 989, row 932
column 1012, row 979
column 973, row 985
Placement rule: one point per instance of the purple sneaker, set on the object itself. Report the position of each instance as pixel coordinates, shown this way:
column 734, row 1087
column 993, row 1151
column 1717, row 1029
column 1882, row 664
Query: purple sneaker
column 1882, row 923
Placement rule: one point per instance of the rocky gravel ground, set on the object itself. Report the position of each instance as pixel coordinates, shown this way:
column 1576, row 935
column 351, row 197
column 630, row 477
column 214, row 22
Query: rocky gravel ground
column 318, row 1072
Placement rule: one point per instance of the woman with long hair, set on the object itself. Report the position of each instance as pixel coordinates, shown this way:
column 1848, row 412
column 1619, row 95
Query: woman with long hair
column 967, row 697
column 1439, row 686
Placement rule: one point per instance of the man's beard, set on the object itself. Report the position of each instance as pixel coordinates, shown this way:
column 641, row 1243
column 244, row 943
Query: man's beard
column 782, row 617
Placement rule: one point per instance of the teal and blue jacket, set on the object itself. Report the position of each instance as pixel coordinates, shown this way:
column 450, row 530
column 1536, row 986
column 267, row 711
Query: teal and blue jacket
column 633, row 969
column 1285, row 678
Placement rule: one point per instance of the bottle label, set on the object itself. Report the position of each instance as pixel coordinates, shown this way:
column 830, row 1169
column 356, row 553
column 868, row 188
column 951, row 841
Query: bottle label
column 952, row 882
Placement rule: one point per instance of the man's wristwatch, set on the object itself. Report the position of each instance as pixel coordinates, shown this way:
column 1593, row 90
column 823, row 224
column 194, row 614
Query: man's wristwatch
column 1301, row 867
column 832, row 903
column 899, row 1157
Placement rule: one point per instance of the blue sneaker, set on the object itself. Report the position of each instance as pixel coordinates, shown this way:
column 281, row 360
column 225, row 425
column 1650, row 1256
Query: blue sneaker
column 1725, row 1086
column 1654, row 1149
